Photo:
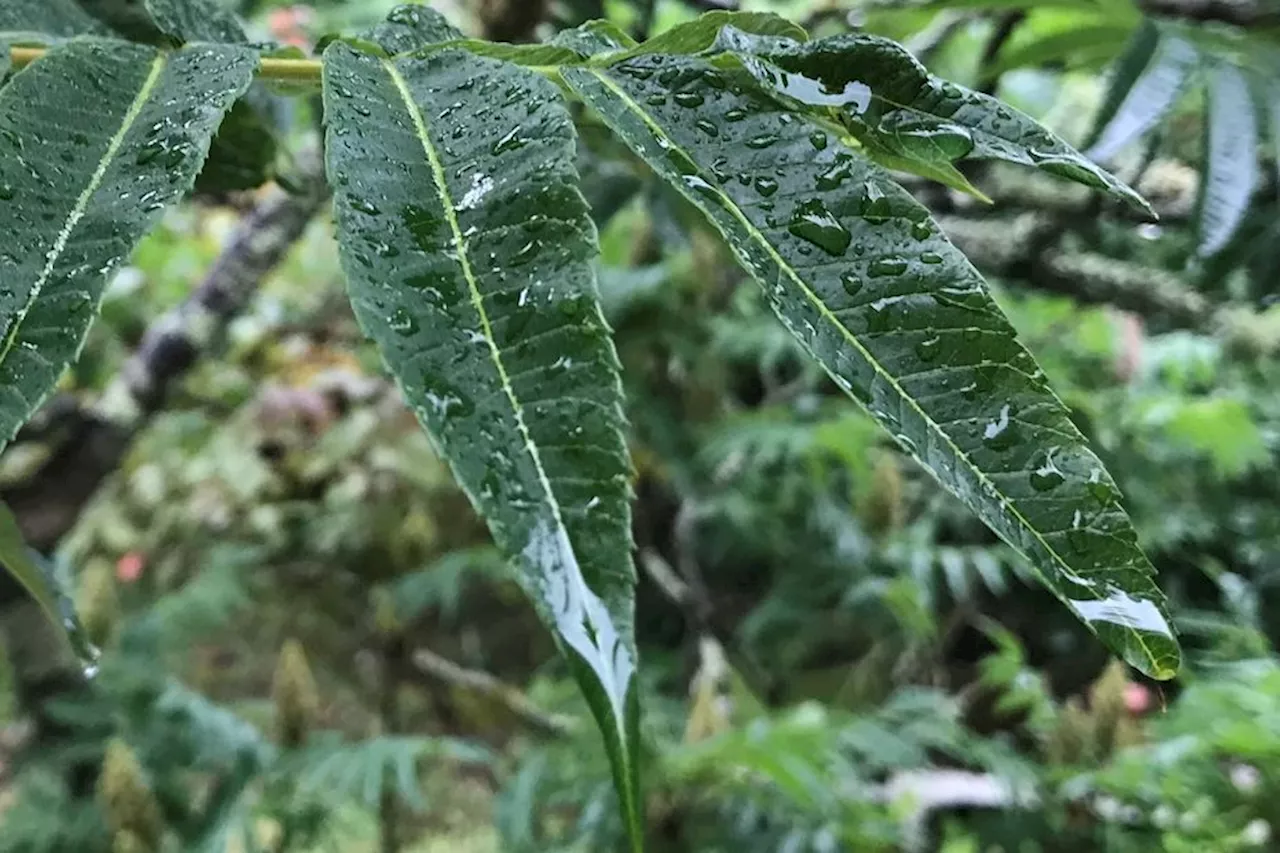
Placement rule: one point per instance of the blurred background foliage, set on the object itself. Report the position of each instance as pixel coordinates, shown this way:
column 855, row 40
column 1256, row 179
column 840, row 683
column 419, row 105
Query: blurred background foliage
column 309, row 645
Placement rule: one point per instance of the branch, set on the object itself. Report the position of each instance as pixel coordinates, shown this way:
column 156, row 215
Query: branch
column 490, row 687
column 1241, row 13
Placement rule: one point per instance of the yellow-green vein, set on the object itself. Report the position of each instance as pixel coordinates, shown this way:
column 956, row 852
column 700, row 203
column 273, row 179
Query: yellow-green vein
column 477, row 302
column 826, row 313
column 82, row 202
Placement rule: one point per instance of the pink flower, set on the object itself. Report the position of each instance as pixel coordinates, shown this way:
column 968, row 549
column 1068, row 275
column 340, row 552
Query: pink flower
column 1137, row 699
column 129, row 567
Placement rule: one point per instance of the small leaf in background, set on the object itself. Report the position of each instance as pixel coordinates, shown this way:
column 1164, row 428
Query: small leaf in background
column 467, row 248
column 38, row 579
column 104, row 171
column 1147, row 81
column 861, row 275
column 1231, row 171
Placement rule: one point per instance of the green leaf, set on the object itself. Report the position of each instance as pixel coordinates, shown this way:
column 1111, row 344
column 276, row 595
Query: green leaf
column 468, row 250
column 1230, row 171
column 196, row 20
column 1147, row 82
column 95, row 139
column 703, row 32
column 861, row 275
column 410, row 28
column 891, row 103
column 37, row 577
column 58, row 18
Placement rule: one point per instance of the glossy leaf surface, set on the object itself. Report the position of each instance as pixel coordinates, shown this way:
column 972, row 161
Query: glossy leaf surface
column 79, row 187
column 892, row 104
column 1231, row 171
column 58, row 18
column 467, row 247
column 861, row 275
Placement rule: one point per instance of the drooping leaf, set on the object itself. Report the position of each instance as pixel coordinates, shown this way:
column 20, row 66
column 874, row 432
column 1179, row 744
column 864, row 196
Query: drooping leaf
column 409, row 28
column 860, row 274
column 1230, row 172
column 37, row 578
column 79, row 186
column 468, row 248
column 196, row 20
column 892, row 104
column 1146, row 83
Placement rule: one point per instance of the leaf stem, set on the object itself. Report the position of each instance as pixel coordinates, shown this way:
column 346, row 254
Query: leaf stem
column 269, row 68
column 276, row 69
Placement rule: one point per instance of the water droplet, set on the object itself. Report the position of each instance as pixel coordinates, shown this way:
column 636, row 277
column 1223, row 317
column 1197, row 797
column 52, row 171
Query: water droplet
column 931, row 258
column 883, row 267
column 766, row 186
column 818, row 140
column 365, row 206
column 1001, row 433
column 762, row 140
column 707, row 127
column 929, row 349
column 1045, row 474
column 814, row 223
column 851, row 283
column 922, row 230
column 689, row 99
column 875, row 206
column 403, row 323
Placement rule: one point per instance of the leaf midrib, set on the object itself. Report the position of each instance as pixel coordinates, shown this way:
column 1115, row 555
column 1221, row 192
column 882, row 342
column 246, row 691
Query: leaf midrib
column 81, row 206
column 826, row 313
column 443, row 195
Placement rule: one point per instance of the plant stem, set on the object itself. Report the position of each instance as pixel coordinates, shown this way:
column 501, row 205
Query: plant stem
column 306, row 71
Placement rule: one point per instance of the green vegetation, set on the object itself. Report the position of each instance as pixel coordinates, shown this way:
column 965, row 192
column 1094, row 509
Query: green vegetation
column 832, row 414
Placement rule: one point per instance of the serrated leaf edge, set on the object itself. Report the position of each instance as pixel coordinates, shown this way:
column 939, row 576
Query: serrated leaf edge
column 824, row 311
column 81, row 206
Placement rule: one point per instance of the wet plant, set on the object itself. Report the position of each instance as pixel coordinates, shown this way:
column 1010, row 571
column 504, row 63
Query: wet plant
column 468, row 249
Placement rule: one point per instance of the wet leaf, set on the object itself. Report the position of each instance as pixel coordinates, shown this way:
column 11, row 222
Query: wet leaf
column 1231, row 170
column 894, row 106
column 467, row 248
column 1145, row 83
column 37, row 577
column 196, row 20
column 79, row 188
column 58, row 18
column 864, row 279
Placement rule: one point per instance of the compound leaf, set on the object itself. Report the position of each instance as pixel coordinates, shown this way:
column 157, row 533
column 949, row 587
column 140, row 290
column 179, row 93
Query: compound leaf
column 863, row 278
column 95, row 139
column 467, row 247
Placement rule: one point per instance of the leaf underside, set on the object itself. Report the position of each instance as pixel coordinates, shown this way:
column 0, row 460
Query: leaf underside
column 858, row 271
column 95, row 139
column 1231, row 171
column 1145, row 84
column 467, row 248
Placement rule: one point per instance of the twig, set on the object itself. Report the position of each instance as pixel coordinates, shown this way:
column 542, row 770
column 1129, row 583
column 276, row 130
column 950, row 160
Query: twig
column 489, row 686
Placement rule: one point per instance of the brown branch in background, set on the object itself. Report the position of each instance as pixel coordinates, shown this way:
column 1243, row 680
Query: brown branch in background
column 89, row 443
column 1241, row 13
column 510, row 20
column 445, row 671
column 85, row 445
